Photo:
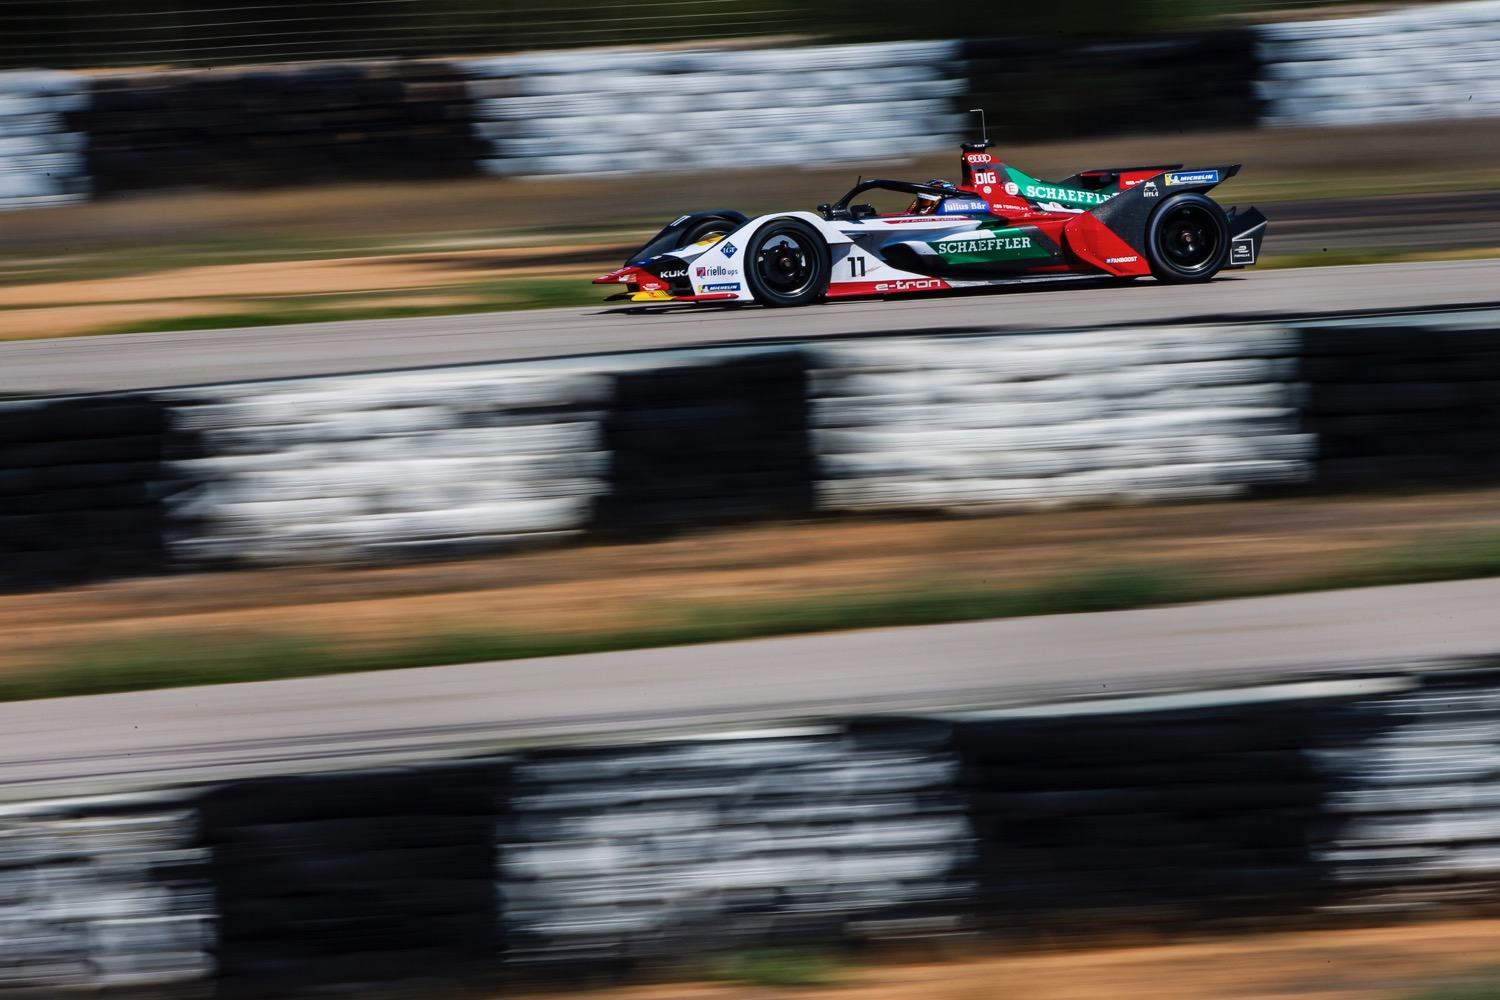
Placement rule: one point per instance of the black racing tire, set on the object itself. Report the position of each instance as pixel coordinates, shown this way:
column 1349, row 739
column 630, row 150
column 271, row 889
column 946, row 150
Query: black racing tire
column 1187, row 239
column 787, row 264
column 715, row 226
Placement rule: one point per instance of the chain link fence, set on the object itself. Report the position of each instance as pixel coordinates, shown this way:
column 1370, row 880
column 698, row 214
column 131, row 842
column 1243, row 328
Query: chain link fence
column 68, row 34
column 89, row 34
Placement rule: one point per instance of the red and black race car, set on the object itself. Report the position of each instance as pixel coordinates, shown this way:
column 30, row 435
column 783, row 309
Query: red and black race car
column 995, row 227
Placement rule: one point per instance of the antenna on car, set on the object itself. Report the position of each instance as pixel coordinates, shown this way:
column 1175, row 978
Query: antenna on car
column 984, row 133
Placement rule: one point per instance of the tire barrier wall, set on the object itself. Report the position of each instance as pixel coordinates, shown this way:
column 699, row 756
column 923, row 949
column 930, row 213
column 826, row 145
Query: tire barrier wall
column 1321, row 800
column 42, row 156
column 1129, row 415
column 713, row 845
column 366, row 878
column 624, row 110
column 715, row 440
column 388, row 466
column 106, row 894
column 1414, row 64
column 639, row 111
column 84, row 484
column 475, row 459
column 263, row 127
column 1406, row 401
column 1166, row 85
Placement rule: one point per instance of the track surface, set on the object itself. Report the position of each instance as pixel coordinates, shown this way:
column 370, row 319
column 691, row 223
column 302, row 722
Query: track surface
column 72, row 745
column 1385, row 222
column 89, row 364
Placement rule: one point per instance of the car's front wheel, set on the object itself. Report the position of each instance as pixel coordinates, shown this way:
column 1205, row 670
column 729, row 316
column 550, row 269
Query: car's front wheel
column 1188, row 239
column 787, row 264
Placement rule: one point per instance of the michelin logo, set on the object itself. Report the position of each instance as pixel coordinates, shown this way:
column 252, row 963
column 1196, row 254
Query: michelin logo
column 732, row 287
column 1193, row 177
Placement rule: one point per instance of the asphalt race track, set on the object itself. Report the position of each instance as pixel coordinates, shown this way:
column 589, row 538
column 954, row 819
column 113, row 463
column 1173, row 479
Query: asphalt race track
column 76, row 745
column 1386, row 222
column 72, row 745
column 87, row 364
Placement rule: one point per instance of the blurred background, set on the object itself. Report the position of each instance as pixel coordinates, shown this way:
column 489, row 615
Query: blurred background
column 86, row 34
column 197, row 172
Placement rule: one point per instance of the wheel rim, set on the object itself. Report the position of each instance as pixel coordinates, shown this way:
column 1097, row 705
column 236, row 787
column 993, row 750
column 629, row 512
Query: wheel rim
column 1190, row 239
column 786, row 264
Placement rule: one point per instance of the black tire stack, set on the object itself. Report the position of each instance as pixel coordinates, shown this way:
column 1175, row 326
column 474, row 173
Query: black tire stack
column 1043, row 88
column 374, row 877
column 266, row 127
column 83, row 487
column 1170, row 818
column 1402, row 403
column 710, row 442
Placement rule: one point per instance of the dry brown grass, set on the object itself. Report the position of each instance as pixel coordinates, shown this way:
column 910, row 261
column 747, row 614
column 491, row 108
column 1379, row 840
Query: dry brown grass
column 1359, row 964
column 603, row 587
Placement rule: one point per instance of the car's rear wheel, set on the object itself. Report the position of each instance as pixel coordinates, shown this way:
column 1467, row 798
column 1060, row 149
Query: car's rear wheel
column 1188, row 239
column 787, row 264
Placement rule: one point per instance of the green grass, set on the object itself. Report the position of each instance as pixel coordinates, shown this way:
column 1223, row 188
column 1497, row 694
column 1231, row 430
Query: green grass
column 779, row 967
column 489, row 296
column 1482, row 984
column 176, row 660
column 1339, row 258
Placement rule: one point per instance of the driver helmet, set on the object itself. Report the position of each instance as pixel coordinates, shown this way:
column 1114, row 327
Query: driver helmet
column 926, row 203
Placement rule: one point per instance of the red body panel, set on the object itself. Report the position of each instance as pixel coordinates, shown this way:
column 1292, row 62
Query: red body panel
column 1095, row 243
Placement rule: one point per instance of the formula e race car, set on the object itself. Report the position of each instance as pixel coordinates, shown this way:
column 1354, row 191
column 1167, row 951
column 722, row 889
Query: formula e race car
column 997, row 226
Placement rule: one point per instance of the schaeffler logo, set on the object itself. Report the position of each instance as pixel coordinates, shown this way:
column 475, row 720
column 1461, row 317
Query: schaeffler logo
column 1038, row 191
column 985, row 246
column 717, row 271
